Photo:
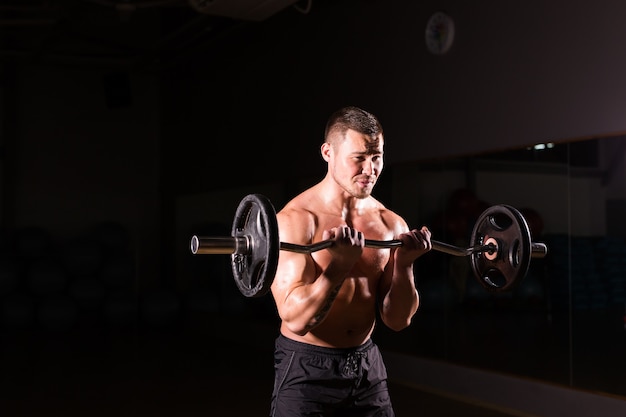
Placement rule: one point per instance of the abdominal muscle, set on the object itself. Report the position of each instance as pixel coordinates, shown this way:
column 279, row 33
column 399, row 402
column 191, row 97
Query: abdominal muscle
column 352, row 317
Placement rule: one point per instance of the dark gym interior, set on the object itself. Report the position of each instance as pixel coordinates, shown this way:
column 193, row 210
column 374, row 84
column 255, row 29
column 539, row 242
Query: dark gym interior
column 127, row 126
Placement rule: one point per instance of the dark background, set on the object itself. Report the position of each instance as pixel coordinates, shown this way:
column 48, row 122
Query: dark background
column 128, row 126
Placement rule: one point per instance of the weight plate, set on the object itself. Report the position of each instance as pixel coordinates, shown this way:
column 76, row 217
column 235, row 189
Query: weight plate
column 254, row 268
column 507, row 226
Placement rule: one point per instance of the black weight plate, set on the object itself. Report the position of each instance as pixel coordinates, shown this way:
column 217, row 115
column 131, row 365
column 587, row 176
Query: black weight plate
column 508, row 227
column 255, row 268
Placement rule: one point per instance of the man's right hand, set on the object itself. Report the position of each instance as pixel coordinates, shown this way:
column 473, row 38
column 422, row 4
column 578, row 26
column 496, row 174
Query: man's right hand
column 347, row 247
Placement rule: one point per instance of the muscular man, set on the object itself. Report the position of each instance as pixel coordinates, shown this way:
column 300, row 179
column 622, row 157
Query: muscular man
column 326, row 363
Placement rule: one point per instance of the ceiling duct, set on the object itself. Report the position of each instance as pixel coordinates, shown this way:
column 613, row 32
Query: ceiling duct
column 254, row 10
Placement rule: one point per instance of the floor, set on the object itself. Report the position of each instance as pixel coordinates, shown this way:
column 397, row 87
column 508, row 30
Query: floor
column 221, row 364
column 159, row 375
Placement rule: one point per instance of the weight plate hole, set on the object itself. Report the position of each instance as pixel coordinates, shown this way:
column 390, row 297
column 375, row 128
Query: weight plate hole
column 494, row 278
column 515, row 253
column 254, row 278
column 500, row 221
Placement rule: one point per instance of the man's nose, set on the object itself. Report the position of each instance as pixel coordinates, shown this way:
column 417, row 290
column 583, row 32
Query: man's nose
column 368, row 167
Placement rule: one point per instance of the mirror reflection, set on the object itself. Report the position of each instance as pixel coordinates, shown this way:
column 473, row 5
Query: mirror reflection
column 566, row 320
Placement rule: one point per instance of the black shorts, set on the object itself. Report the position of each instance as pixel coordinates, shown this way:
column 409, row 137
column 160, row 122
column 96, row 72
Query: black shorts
column 317, row 381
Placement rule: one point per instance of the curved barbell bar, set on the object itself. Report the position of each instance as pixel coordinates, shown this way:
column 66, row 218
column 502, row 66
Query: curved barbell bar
column 240, row 245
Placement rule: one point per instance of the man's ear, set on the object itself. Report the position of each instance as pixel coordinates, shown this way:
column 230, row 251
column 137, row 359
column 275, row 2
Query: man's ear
column 325, row 149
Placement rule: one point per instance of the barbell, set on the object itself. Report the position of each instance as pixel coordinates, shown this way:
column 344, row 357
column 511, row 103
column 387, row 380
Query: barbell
column 500, row 246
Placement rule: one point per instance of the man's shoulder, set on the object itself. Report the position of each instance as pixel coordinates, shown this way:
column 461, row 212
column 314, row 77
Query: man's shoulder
column 302, row 203
column 393, row 220
column 297, row 222
column 298, row 209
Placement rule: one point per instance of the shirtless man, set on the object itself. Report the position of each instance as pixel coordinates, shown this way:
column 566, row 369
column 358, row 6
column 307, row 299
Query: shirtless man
column 326, row 363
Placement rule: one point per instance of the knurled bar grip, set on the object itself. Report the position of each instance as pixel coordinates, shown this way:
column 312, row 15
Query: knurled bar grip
column 229, row 245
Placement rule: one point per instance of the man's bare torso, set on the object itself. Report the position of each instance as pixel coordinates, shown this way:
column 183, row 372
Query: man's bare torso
column 351, row 319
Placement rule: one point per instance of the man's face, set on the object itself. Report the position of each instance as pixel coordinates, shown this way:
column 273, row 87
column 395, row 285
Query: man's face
column 356, row 163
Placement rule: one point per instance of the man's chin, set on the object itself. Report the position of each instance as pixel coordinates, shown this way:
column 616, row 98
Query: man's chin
column 362, row 193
